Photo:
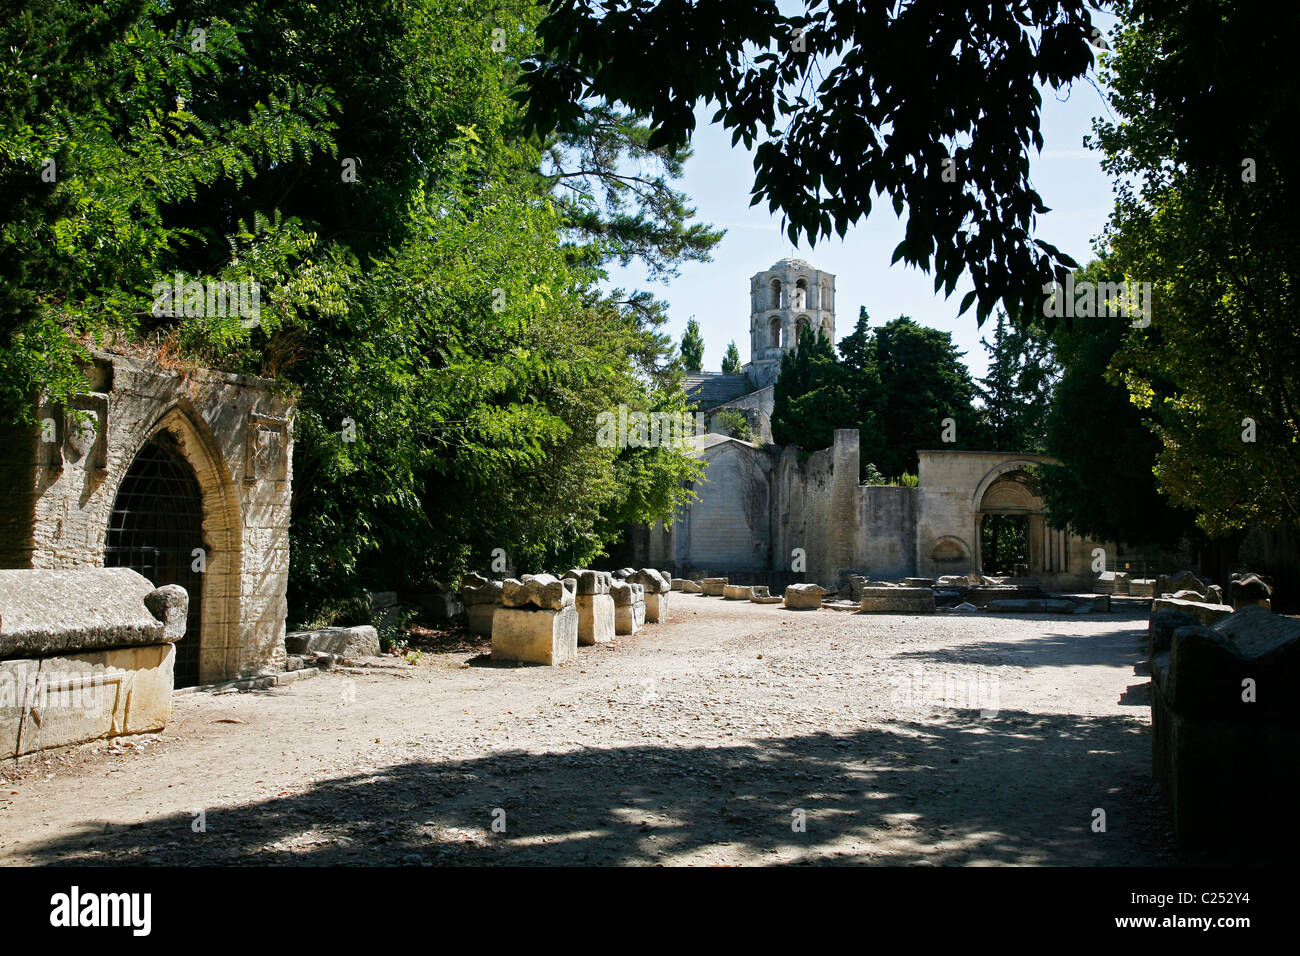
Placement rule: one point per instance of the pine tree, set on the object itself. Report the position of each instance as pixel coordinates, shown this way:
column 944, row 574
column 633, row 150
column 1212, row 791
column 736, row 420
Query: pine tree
column 692, row 347
column 731, row 361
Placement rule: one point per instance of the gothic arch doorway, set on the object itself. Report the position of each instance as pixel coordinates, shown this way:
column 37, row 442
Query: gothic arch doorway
column 154, row 528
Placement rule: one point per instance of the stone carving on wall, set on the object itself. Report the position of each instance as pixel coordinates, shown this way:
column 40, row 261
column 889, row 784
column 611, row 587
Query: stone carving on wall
column 264, row 448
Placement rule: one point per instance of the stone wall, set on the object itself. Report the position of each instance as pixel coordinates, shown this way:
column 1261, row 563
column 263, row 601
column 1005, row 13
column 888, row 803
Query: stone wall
column 235, row 432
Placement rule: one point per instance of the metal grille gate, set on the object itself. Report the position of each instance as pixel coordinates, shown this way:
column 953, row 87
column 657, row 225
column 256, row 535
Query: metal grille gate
column 156, row 524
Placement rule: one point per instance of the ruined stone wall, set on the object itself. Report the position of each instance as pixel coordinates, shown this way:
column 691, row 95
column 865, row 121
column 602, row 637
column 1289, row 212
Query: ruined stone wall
column 61, row 479
column 729, row 526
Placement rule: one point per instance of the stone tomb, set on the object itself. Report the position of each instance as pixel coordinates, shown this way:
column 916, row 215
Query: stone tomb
column 804, row 597
column 737, row 592
column 712, row 587
column 1225, row 726
column 657, row 585
column 629, row 606
column 881, row 600
column 595, row 606
column 481, row 597
column 537, row 622
column 84, row 654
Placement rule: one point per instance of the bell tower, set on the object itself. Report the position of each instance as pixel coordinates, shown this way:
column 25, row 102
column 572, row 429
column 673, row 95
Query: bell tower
column 783, row 300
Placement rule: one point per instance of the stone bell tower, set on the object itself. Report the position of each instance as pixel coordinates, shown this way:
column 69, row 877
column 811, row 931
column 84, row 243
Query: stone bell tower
column 784, row 299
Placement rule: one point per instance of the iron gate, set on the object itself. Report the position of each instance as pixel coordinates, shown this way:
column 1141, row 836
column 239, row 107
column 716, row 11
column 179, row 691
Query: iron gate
column 156, row 524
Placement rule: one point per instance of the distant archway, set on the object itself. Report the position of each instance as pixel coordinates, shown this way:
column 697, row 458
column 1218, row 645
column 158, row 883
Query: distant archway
column 776, row 293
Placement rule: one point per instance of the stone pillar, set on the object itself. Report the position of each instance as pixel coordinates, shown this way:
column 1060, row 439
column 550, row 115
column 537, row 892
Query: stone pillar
column 977, row 545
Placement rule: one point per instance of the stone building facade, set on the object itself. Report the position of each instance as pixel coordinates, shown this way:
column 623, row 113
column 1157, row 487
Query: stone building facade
column 183, row 475
column 763, row 510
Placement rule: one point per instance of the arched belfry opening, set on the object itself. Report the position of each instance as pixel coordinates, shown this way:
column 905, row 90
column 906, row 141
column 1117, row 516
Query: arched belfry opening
column 156, row 528
column 776, row 293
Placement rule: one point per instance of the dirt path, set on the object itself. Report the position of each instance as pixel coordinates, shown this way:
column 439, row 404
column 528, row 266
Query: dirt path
column 933, row 740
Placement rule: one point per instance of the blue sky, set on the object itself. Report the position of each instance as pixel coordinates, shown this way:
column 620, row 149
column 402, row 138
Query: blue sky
column 719, row 177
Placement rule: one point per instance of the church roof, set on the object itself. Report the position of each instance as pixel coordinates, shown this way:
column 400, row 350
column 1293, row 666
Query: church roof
column 790, row 263
column 709, row 389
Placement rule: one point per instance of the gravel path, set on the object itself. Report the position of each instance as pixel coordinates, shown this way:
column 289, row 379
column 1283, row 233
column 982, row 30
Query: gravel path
column 707, row 740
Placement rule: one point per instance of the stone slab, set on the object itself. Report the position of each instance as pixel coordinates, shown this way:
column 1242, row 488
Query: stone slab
column 360, row 641
column 479, row 617
column 1207, row 614
column 737, row 592
column 63, row 700
column 656, row 607
column 629, row 618
column 878, row 600
column 535, row 636
column 804, row 597
column 712, row 587
column 45, row 612
column 595, row 618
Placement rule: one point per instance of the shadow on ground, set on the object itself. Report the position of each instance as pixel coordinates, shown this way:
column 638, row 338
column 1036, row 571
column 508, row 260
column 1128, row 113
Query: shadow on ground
column 1017, row 788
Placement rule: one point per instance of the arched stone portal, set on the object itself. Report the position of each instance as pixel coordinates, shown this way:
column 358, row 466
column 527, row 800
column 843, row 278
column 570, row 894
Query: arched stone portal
column 1011, row 491
column 177, row 496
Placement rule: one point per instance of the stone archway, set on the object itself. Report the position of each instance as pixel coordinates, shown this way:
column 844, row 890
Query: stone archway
column 1010, row 492
column 179, row 449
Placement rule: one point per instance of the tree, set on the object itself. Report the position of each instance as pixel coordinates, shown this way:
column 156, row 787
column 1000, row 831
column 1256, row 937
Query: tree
column 692, row 347
column 1209, row 214
column 440, row 298
column 731, row 360
column 923, row 383
column 1017, row 389
column 1103, row 487
column 811, row 396
column 846, row 101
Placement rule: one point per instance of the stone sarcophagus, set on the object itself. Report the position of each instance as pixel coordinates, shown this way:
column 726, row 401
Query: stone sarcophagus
column 1225, row 725
column 537, row 622
column 84, row 654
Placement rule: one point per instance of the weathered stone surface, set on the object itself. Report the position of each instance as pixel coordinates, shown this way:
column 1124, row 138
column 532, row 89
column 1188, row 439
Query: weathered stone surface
column 535, row 636
column 804, row 597
column 480, row 590
column 625, row 593
column 737, row 592
column 360, row 641
column 676, row 583
column 479, row 617
column 628, row 618
column 592, row 582
column 760, row 595
column 656, row 607
column 49, row 612
column 1226, row 759
column 543, row 591
column 64, row 700
column 713, row 586
column 235, row 433
column 1034, row 605
column 1188, row 595
column 918, row 582
column 1246, row 588
column 651, row 580
column 952, row 581
column 691, row 587
column 1161, row 627
column 595, row 618
column 1182, row 581
column 905, row 600
column 1207, row 614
